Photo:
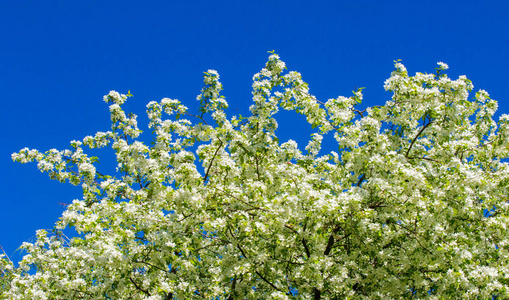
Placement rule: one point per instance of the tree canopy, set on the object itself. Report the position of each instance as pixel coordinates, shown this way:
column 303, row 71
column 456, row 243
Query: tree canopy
column 412, row 204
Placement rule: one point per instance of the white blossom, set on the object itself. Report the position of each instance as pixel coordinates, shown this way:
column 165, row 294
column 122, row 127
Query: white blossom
column 227, row 210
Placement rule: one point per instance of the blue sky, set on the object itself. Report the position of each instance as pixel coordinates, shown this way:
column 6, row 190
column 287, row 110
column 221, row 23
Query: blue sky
column 58, row 58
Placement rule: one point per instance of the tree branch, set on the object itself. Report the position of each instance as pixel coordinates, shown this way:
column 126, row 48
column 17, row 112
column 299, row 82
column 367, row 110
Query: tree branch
column 212, row 161
column 361, row 179
column 305, row 244
column 317, row 295
column 415, row 138
column 425, row 158
column 240, row 200
column 139, row 288
column 331, row 240
column 257, row 273
column 234, row 282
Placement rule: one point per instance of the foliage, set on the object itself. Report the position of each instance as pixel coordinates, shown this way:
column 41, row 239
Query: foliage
column 226, row 211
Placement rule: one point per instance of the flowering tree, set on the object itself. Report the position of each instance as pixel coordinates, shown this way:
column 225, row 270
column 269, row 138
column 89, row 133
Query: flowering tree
column 413, row 204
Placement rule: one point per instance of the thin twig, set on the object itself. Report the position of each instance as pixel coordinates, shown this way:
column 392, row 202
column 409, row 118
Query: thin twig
column 257, row 273
column 139, row 288
column 212, row 161
column 415, row 138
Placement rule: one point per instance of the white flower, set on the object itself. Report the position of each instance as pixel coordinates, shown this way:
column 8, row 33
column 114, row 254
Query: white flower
column 442, row 65
column 87, row 168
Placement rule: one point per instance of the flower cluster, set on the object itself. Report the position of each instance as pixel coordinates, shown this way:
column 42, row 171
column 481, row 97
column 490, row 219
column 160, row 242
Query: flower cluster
column 413, row 204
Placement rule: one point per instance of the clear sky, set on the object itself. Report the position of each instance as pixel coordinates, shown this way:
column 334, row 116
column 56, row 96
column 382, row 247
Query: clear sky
column 58, row 58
